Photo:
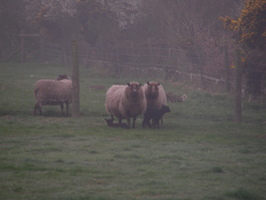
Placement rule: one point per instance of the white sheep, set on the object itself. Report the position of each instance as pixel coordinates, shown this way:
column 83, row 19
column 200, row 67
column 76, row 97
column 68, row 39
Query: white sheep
column 53, row 92
column 125, row 102
column 155, row 95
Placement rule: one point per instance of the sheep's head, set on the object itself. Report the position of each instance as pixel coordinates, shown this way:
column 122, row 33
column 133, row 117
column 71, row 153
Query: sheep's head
column 153, row 89
column 165, row 109
column 62, row 76
column 134, row 88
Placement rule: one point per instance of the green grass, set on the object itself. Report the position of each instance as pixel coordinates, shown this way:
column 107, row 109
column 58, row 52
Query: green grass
column 198, row 154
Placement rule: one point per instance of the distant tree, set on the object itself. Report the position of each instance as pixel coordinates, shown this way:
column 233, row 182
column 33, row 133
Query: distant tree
column 11, row 21
column 55, row 18
column 192, row 28
column 102, row 19
column 97, row 21
column 249, row 32
column 127, row 11
column 182, row 21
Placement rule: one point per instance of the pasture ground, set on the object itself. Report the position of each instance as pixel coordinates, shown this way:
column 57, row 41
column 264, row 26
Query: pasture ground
column 199, row 152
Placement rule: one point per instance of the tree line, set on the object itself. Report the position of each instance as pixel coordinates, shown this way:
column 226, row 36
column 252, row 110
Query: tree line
column 198, row 30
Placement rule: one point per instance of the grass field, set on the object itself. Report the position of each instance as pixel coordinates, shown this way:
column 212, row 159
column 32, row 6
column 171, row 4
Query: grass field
column 198, row 154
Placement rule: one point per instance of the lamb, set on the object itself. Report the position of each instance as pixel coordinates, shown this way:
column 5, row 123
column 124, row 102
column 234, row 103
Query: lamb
column 171, row 97
column 110, row 122
column 155, row 115
column 125, row 102
column 182, row 98
column 53, row 92
column 155, row 95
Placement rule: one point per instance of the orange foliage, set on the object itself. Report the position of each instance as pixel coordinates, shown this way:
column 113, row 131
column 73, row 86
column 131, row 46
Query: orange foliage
column 250, row 28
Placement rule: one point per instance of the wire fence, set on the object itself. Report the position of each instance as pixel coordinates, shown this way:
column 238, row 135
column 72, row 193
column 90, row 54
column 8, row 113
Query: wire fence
column 212, row 70
column 169, row 63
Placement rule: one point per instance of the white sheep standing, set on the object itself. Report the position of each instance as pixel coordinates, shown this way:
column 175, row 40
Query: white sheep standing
column 125, row 102
column 53, row 92
column 155, row 96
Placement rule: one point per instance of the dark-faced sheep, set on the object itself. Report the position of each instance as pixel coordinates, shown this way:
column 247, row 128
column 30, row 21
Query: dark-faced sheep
column 155, row 95
column 126, row 101
column 53, row 92
column 155, row 116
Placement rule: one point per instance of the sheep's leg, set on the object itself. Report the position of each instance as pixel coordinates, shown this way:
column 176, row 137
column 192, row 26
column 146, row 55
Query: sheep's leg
column 134, row 120
column 67, row 106
column 144, row 123
column 128, row 122
column 153, row 123
column 40, row 108
column 157, row 124
column 36, row 107
column 149, row 123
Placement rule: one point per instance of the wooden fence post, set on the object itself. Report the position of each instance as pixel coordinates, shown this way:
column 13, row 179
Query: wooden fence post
column 22, row 43
column 75, row 80
column 41, row 49
column 227, row 69
column 238, row 79
column 150, row 48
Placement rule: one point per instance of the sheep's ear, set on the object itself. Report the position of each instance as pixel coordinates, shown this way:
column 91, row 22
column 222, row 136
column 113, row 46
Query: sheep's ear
column 158, row 84
column 128, row 84
column 140, row 84
column 148, row 82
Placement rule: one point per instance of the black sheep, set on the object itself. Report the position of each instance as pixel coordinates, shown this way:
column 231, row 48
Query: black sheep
column 155, row 115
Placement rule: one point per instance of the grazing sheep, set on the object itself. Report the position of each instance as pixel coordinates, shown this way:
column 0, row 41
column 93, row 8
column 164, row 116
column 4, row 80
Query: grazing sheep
column 110, row 122
column 155, row 95
column 155, row 115
column 126, row 101
column 53, row 92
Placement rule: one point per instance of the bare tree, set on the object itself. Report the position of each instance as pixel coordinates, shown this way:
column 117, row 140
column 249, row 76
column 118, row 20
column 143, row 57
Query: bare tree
column 192, row 27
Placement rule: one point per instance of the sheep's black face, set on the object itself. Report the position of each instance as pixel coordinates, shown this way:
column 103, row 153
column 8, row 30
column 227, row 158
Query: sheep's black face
column 62, row 76
column 153, row 89
column 165, row 109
